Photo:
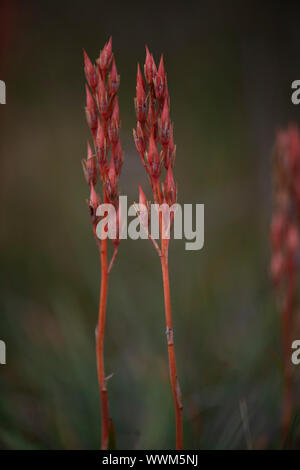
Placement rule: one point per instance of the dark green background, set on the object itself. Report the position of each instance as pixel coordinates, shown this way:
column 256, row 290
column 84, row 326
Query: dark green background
column 230, row 66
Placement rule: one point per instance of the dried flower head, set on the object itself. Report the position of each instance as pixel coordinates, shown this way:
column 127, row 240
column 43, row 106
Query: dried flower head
column 153, row 135
column 102, row 113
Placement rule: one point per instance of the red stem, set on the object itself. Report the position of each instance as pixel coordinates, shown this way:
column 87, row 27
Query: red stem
column 100, row 346
column 170, row 340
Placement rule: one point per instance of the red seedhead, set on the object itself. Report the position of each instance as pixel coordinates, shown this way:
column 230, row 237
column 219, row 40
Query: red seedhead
column 154, row 129
column 102, row 109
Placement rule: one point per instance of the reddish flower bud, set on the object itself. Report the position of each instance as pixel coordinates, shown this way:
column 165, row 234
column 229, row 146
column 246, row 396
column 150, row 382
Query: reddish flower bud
column 113, row 81
column 91, row 166
column 153, row 158
column 171, row 150
column 117, row 157
column 105, row 56
column 158, row 86
column 94, row 197
column 170, row 187
column 161, row 67
column 94, row 202
column 165, row 123
column 149, row 67
column 139, row 140
column 90, row 103
column 159, row 80
column 109, row 48
column 112, row 173
column 140, row 100
column 139, row 78
column 91, row 111
column 103, row 101
column 90, row 72
column 114, row 126
column 111, row 183
column 143, row 209
column 152, row 122
column 100, row 145
column 142, row 197
column 116, row 111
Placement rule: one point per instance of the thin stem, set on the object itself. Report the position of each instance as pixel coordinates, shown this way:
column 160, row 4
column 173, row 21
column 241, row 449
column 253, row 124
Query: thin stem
column 155, row 244
column 100, row 345
column 113, row 259
column 170, row 340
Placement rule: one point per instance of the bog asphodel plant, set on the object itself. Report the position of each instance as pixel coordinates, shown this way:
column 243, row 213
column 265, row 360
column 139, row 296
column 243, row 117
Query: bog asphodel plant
column 153, row 138
column 103, row 164
column 285, row 248
column 154, row 141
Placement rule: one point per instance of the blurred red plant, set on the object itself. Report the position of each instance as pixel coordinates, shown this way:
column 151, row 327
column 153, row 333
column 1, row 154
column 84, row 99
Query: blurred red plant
column 154, row 141
column 102, row 114
column 285, row 248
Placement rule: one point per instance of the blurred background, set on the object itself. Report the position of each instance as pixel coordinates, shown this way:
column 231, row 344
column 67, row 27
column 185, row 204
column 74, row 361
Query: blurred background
column 230, row 66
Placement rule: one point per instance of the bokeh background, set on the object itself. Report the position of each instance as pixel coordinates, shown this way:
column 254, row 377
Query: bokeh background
column 230, row 66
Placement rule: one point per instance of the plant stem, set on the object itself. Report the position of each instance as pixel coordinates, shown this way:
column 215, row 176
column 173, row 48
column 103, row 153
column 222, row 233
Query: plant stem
column 170, row 340
column 100, row 345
